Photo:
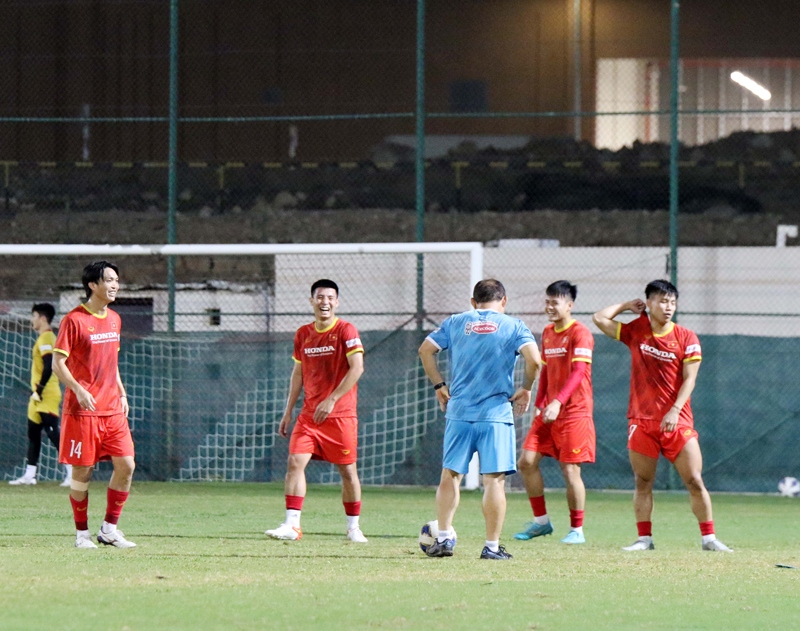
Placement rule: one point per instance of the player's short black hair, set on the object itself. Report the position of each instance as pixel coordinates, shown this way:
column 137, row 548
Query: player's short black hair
column 45, row 309
column 324, row 282
column 488, row 290
column 562, row 288
column 660, row 287
column 93, row 273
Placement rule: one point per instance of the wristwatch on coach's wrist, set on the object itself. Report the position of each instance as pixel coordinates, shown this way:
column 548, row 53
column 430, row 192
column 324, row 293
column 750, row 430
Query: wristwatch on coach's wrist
column 439, row 385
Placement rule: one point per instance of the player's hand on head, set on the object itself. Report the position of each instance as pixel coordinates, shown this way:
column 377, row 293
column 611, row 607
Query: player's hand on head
column 521, row 401
column 637, row 305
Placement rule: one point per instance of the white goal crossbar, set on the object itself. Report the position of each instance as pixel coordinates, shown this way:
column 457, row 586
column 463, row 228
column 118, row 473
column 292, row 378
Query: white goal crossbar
column 475, row 249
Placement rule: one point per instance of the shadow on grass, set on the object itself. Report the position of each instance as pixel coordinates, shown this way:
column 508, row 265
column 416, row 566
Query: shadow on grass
column 310, row 555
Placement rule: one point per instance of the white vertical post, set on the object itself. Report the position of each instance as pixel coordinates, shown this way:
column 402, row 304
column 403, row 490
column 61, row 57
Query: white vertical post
column 745, row 115
column 473, row 478
column 701, row 104
column 765, row 121
column 787, row 95
column 723, row 101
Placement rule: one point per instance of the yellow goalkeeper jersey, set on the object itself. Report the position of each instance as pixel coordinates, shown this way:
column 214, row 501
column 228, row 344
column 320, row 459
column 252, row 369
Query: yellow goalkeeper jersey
column 51, row 396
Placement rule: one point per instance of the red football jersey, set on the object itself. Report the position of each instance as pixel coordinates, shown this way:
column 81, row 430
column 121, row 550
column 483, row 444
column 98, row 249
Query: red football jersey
column 323, row 357
column 91, row 344
column 560, row 348
column 657, row 367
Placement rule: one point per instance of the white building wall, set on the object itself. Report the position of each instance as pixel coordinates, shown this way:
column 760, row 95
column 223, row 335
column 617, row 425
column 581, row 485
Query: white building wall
column 746, row 291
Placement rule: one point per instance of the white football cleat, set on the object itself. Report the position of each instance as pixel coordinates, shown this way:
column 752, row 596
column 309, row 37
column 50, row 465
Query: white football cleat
column 23, row 481
column 356, row 536
column 715, row 545
column 116, row 539
column 66, row 482
column 285, row 532
column 642, row 543
column 84, row 542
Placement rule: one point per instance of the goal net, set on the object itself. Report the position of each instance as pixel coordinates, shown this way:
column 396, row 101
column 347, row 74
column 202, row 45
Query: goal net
column 206, row 358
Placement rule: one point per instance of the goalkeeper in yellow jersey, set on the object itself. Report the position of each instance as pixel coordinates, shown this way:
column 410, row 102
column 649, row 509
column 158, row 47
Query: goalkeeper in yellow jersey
column 45, row 394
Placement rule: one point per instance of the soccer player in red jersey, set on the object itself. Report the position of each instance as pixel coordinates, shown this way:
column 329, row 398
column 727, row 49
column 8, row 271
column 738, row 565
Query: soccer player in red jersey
column 563, row 427
column 665, row 360
column 94, row 423
column 329, row 360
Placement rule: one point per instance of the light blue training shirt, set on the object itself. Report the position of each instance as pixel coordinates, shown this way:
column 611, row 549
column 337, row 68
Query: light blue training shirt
column 484, row 346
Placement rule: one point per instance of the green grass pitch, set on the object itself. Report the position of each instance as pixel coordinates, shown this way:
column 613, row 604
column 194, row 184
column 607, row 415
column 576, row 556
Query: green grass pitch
column 203, row 562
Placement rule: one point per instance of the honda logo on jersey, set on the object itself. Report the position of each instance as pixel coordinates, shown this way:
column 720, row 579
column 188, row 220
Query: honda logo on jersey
column 319, row 350
column 658, row 353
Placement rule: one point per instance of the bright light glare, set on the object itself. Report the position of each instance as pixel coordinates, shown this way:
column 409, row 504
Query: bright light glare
column 748, row 84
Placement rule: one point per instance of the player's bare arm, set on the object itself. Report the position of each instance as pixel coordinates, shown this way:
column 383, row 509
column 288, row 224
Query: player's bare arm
column 533, row 364
column 295, row 388
column 123, row 396
column 604, row 319
column 325, row 407
column 84, row 397
column 427, row 355
column 670, row 420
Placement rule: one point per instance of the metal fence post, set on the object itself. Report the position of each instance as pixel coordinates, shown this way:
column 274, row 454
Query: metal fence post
column 674, row 64
column 172, row 185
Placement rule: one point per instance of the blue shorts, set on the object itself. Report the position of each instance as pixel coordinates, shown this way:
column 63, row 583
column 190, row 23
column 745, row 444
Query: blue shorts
column 496, row 444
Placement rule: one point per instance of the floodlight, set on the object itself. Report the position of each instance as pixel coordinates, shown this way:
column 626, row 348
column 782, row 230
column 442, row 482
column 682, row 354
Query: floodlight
column 753, row 86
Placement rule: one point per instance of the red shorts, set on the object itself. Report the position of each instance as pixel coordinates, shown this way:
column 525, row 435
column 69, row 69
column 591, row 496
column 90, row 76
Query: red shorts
column 335, row 440
column 571, row 440
column 645, row 437
column 86, row 440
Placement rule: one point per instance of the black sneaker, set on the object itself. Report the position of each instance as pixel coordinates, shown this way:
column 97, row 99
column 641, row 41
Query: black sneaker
column 441, row 548
column 500, row 555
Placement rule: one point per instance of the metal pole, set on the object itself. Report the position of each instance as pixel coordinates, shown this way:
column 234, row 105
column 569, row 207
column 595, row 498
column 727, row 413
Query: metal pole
column 576, row 60
column 674, row 65
column 419, row 173
column 172, row 186
column 419, row 165
column 170, row 461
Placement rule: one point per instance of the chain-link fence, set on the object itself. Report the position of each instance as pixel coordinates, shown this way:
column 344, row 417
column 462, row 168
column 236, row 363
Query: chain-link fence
column 382, row 121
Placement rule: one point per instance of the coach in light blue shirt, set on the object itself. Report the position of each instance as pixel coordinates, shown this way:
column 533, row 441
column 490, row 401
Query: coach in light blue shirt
column 484, row 345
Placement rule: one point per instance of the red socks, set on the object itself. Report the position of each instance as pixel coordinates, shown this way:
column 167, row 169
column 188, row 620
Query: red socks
column 294, row 502
column 575, row 518
column 645, row 528
column 707, row 527
column 114, row 503
column 79, row 510
column 352, row 509
column 538, row 506
column 115, row 500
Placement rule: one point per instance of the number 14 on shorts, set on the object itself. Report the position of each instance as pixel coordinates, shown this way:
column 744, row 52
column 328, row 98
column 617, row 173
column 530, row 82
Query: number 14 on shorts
column 75, row 449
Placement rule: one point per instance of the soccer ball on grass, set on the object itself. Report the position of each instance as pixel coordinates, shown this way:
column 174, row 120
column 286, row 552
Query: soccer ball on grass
column 789, row 487
column 428, row 534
